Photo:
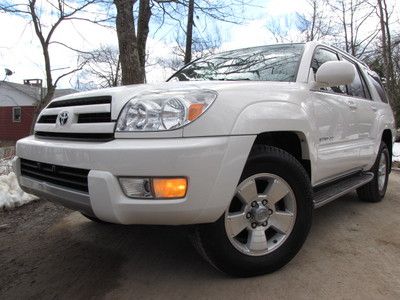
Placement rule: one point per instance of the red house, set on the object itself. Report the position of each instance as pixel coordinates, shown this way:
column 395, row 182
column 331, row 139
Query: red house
column 17, row 107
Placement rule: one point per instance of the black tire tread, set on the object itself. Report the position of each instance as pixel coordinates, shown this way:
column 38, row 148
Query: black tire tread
column 369, row 192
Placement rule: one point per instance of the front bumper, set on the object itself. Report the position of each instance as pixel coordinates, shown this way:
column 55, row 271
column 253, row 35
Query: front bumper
column 213, row 166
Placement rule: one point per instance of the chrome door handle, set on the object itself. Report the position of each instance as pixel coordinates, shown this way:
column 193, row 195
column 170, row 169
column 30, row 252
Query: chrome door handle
column 374, row 108
column 352, row 104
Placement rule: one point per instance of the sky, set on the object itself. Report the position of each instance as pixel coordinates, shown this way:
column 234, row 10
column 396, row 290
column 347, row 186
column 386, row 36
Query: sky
column 20, row 50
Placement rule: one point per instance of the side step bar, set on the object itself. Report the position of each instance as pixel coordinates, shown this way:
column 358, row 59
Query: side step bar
column 330, row 192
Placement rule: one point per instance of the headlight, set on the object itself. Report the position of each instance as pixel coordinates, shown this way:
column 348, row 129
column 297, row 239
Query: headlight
column 164, row 110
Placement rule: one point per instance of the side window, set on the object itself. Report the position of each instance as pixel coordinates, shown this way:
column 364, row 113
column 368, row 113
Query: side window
column 376, row 81
column 358, row 87
column 16, row 114
column 322, row 56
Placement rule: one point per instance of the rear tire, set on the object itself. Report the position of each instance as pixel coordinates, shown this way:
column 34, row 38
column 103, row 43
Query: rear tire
column 266, row 243
column 375, row 190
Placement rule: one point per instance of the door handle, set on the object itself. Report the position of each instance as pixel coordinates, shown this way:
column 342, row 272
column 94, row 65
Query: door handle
column 352, row 104
column 374, row 108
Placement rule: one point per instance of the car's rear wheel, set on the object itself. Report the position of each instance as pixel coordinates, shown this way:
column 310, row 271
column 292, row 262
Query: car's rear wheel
column 267, row 220
column 375, row 190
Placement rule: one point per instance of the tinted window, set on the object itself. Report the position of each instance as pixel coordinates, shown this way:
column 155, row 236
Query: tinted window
column 356, row 88
column 321, row 56
column 267, row 63
column 376, row 81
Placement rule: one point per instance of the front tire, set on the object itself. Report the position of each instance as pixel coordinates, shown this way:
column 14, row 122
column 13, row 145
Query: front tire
column 375, row 190
column 267, row 221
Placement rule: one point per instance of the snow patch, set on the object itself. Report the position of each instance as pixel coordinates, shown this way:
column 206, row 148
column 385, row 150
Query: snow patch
column 11, row 195
column 396, row 152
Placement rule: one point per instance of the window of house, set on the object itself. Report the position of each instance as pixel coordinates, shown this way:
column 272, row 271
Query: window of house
column 16, row 114
column 320, row 57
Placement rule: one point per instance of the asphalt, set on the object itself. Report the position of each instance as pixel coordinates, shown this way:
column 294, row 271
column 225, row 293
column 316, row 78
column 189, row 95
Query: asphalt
column 49, row 252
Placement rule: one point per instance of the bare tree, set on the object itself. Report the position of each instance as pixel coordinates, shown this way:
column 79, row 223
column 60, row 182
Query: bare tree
column 189, row 33
column 103, row 67
column 202, row 44
column 279, row 32
column 185, row 12
column 128, row 40
column 172, row 62
column 45, row 27
column 316, row 23
column 206, row 44
column 389, row 66
column 353, row 17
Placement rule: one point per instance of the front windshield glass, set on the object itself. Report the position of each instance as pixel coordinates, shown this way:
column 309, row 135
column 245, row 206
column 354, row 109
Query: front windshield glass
column 266, row 63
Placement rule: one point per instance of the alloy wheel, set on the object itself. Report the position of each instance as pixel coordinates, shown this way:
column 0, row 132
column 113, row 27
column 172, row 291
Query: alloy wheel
column 262, row 214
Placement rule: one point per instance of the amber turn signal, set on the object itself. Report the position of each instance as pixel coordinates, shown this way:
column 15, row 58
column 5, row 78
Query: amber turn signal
column 195, row 110
column 169, row 187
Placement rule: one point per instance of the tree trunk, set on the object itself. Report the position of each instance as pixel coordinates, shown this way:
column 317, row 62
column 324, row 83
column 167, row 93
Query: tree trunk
column 131, row 69
column 388, row 63
column 346, row 39
column 143, row 30
column 189, row 33
column 314, row 20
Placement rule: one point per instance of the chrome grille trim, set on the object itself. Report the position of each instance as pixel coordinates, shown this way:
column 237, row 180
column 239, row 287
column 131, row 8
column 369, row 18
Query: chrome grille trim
column 81, row 101
column 87, row 119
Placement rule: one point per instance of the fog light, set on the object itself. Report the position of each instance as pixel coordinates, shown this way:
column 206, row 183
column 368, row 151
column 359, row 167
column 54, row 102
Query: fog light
column 154, row 188
column 136, row 187
column 169, row 187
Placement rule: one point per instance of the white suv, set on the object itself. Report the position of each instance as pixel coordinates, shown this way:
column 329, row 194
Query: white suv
column 244, row 144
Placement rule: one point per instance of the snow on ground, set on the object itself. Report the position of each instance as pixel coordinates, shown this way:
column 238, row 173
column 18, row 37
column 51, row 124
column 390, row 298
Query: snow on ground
column 396, row 152
column 11, row 195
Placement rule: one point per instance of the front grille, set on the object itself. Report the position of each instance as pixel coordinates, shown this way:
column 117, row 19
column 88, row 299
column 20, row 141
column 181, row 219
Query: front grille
column 72, row 178
column 48, row 119
column 81, row 101
column 82, row 118
column 94, row 118
column 90, row 137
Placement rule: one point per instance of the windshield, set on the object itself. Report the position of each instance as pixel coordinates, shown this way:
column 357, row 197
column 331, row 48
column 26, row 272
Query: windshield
column 266, row 63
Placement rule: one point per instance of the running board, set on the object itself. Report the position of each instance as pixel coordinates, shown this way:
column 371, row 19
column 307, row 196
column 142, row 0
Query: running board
column 339, row 188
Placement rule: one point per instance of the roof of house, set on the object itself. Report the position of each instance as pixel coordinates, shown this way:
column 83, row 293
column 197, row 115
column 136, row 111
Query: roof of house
column 31, row 93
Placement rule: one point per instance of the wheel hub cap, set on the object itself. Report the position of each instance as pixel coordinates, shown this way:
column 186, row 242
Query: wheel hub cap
column 260, row 214
column 382, row 170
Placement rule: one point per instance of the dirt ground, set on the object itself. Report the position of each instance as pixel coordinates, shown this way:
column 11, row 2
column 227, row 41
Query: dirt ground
column 46, row 251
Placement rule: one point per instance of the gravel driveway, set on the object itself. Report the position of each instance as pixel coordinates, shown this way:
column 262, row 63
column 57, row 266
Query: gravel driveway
column 47, row 251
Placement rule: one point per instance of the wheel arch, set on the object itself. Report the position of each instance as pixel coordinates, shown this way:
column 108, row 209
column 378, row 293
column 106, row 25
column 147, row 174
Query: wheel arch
column 293, row 142
column 281, row 124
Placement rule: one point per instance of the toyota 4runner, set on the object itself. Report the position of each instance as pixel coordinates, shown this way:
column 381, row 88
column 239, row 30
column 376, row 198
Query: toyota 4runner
column 242, row 144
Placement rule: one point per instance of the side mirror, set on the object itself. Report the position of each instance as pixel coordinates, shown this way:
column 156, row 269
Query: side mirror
column 334, row 73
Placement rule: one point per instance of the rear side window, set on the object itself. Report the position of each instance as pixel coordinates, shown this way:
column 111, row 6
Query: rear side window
column 321, row 56
column 376, row 81
column 358, row 87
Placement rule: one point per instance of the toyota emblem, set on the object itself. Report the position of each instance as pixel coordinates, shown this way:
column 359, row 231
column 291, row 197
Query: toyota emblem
column 63, row 118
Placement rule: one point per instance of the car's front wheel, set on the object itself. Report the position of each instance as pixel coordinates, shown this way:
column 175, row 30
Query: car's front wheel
column 267, row 220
